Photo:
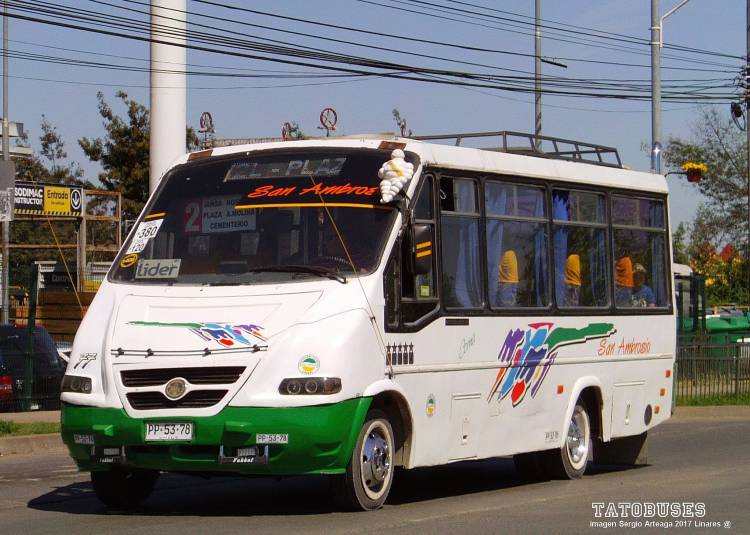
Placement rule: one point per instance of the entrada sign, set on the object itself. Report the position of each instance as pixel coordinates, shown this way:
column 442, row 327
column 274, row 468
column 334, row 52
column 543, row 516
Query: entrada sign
column 47, row 199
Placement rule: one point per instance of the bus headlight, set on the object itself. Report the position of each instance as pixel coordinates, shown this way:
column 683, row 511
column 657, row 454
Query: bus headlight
column 310, row 386
column 76, row 384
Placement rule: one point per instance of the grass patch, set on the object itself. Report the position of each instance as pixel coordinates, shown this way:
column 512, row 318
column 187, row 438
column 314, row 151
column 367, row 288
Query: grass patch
column 10, row 428
column 727, row 399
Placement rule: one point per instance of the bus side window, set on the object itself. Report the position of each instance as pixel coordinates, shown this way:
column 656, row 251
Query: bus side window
column 641, row 255
column 581, row 257
column 517, row 242
column 459, row 243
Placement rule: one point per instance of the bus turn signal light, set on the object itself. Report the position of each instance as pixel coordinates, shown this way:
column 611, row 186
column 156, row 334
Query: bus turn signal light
column 560, row 389
column 668, row 374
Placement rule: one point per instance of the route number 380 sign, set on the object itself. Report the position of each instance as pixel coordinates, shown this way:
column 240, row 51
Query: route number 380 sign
column 145, row 231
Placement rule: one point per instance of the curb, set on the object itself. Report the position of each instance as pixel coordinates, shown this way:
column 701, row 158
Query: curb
column 26, row 444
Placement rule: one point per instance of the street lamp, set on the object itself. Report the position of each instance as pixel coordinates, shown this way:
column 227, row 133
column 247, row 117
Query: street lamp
column 657, row 42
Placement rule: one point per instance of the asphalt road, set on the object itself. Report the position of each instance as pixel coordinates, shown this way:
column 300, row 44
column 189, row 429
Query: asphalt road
column 697, row 460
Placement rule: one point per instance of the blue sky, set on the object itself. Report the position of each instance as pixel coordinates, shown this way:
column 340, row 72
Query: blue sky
column 67, row 94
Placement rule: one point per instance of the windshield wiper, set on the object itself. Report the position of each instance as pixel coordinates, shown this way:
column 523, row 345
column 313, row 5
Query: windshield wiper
column 294, row 268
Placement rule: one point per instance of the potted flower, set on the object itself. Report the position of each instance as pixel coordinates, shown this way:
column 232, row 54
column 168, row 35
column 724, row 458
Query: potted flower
column 694, row 171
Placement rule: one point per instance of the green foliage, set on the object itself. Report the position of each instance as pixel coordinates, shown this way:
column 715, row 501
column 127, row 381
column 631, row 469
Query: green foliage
column 719, row 144
column 725, row 399
column 725, row 275
column 679, row 244
column 50, row 165
column 723, row 217
column 11, row 428
column 123, row 152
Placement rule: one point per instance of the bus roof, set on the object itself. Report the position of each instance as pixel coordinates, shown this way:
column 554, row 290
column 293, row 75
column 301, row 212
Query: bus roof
column 475, row 160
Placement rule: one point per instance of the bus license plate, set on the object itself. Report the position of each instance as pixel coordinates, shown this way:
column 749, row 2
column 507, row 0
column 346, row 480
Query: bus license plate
column 169, row 431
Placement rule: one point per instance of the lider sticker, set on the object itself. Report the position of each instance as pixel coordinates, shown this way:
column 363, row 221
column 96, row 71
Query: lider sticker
column 158, row 268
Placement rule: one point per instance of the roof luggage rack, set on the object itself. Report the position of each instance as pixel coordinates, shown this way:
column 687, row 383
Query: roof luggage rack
column 540, row 146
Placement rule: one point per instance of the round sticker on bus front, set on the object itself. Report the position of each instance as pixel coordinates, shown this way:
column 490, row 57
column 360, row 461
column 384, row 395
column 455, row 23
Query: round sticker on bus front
column 309, row 364
column 128, row 260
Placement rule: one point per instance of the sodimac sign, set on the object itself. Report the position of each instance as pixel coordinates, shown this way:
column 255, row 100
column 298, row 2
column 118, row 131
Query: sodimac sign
column 47, row 199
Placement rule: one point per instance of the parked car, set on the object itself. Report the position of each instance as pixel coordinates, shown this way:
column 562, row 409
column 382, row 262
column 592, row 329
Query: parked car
column 48, row 369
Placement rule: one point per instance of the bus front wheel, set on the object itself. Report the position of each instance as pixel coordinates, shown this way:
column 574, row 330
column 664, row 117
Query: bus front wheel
column 369, row 474
column 569, row 462
column 124, row 488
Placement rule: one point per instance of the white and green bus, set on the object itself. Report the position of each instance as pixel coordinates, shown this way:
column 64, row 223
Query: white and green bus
column 345, row 306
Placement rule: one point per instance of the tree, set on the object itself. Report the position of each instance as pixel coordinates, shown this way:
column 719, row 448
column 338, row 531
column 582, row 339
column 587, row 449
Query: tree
column 718, row 143
column 123, row 152
column 679, row 244
column 50, row 164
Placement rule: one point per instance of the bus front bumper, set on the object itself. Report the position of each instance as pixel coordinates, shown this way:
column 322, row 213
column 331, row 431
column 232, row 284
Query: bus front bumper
column 304, row 440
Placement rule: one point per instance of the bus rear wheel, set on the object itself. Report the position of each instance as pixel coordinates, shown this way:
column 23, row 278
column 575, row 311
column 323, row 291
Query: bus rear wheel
column 569, row 462
column 121, row 488
column 369, row 474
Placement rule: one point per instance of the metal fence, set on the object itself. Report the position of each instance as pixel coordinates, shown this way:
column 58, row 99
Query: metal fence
column 712, row 368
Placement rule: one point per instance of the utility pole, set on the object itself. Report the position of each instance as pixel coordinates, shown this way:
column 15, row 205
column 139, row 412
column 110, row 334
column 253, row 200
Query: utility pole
column 657, row 41
column 6, row 157
column 538, row 74
column 168, row 86
column 655, row 87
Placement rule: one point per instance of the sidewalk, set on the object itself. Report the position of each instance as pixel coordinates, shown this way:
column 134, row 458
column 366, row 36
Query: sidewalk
column 53, row 443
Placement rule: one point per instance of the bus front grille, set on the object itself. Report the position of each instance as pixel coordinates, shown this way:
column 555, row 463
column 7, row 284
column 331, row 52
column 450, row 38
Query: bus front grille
column 217, row 375
column 145, row 401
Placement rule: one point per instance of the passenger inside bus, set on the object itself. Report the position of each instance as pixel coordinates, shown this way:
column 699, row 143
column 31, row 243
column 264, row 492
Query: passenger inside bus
column 507, row 288
column 624, row 281
column 643, row 295
column 573, row 280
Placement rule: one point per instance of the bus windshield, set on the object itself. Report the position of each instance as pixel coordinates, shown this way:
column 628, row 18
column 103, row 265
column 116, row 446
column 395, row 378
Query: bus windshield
column 270, row 217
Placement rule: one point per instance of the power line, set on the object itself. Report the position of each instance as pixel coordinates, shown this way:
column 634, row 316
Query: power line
column 579, row 41
column 409, row 72
column 584, row 29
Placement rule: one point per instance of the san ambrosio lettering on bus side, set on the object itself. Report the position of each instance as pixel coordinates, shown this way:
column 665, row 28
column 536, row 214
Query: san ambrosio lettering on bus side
column 632, row 347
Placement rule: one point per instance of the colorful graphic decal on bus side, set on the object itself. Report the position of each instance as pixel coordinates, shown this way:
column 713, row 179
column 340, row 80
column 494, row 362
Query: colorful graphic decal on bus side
column 226, row 334
column 530, row 353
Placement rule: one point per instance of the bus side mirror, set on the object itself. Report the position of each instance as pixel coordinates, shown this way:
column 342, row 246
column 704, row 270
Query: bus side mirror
column 422, row 246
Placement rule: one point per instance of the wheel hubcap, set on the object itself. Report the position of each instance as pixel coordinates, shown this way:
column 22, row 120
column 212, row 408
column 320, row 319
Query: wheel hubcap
column 577, row 441
column 376, row 460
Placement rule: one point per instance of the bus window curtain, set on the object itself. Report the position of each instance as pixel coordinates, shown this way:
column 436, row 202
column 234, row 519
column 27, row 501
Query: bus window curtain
column 540, row 258
column 658, row 257
column 658, row 282
column 495, row 204
column 467, row 286
column 599, row 269
column 560, row 213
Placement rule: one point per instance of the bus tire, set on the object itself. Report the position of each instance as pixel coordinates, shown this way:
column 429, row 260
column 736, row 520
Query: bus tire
column 369, row 474
column 569, row 462
column 122, row 488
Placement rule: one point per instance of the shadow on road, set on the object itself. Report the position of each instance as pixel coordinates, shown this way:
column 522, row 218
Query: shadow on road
column 182, row 495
